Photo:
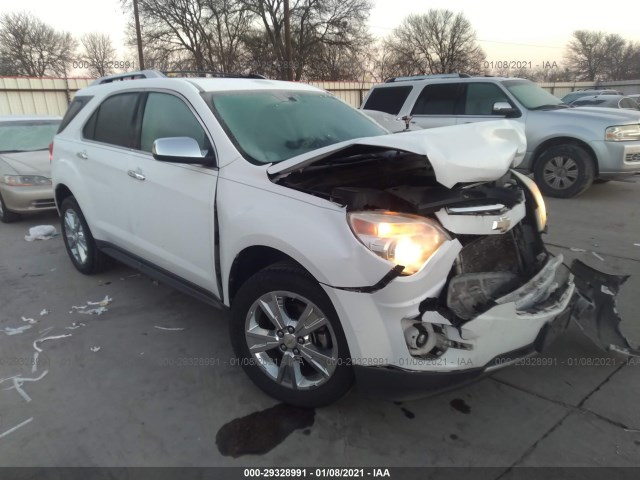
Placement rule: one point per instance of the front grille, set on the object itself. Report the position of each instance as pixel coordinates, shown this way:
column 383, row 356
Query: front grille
column 632, row 157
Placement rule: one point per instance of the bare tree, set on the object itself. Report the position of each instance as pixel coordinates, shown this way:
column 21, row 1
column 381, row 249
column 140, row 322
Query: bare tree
column 439, row 41
column 315, row 26
column 98, row 53
column 210, row 32
column 31, row 47
column 586, row 54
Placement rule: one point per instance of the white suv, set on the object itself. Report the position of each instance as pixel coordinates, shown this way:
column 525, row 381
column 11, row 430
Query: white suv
column 408, row 262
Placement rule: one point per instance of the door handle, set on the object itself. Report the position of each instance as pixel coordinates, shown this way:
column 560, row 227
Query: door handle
column 136, row 175
column 82, row 155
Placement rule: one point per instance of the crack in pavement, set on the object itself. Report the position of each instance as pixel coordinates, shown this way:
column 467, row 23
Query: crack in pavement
column 554, row 427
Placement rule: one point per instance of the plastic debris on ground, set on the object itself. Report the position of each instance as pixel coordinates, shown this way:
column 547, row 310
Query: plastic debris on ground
column 13, row 429
column 40, row 340
column 101, row 307
column 172, row 329
column 44, row 312
column 16, row 330
column 598, row 256
column 29, row 320
column 75, row 325
column 574, row 249
column 95, row 349
column 41, row 232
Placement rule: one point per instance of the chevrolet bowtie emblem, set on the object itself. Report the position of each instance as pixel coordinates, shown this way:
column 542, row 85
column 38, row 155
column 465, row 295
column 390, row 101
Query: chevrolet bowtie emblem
column 502, row 224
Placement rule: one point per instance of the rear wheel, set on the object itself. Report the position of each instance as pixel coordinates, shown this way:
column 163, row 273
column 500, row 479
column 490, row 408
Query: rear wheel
column 79, row 242
column 287, row 337
column 6, row 216
column 564, row 171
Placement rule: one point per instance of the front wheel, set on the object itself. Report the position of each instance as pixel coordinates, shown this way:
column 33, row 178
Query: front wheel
column 564, row 171
column 287, row 337
column 7, row 216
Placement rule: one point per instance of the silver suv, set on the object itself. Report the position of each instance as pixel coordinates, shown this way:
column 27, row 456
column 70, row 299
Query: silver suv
column 567, row 148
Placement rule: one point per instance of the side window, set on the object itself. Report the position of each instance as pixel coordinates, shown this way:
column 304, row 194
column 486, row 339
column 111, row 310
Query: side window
column 387, row 99
column 439, row 99
column 113, row 121
column 74, row 108
column 481, row 97
column 168, row 116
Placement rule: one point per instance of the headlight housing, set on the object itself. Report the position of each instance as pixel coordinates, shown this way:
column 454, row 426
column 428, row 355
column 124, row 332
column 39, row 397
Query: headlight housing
column 622, row 133
column 26, row 180
column 541, row 208
column 403, row 239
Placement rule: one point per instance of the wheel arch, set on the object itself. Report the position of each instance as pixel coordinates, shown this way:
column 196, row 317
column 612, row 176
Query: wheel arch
column 556, row 141
column 250, row 261
column 62, row 192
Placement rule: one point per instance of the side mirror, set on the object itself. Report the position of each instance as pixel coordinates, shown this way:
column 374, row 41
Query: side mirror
column 180, row 150
column 504, row 108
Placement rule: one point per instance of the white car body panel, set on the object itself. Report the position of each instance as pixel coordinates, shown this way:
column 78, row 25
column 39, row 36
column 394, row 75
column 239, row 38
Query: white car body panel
column 465, row 153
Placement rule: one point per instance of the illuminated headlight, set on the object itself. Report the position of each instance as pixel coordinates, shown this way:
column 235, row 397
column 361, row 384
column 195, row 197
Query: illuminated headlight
column 622, row 133
column 541, row 208
column 406, row 240
column 26, row 180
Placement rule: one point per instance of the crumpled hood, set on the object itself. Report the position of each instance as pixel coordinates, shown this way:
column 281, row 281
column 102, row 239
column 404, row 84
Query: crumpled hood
column 28, row 163
column 473, row 152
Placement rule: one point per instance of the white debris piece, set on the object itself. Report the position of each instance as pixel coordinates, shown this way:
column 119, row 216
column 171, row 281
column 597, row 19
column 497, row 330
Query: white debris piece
column 19, row 381
column 636, row 244
column 44, row 312
column 41, row 232
column 75, row 325
column 40, row 340
column 598, row 256
column 29, row 320
column 16, row 330
column 84, row 309
column 172, row 329
column 575, row 249
column 44, row 331
column 95, row 349
column 13, row 429
column 606, row 290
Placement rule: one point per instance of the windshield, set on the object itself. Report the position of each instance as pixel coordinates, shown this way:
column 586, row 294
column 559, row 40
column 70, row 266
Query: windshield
column 270, row 126
column 27, row 135
column 532, row 96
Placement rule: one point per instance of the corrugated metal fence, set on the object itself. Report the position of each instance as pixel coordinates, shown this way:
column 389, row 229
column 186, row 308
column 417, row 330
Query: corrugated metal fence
column 50, row 96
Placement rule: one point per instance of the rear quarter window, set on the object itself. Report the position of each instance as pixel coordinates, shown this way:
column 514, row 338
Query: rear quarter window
column 387, row 99
column 113, row 121
column 77, row 104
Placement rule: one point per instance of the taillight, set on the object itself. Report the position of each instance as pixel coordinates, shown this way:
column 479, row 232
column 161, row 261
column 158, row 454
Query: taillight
column 51, row 151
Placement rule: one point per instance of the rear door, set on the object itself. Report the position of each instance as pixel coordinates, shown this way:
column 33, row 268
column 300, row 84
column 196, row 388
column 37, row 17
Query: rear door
column 438, row 105
column 102, row 159
column 172, row 205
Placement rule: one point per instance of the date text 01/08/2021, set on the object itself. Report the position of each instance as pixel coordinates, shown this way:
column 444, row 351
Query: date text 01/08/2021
column 303, row 472
column 518, row 64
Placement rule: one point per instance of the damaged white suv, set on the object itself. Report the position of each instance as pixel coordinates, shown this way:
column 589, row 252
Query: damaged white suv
column 407, row 262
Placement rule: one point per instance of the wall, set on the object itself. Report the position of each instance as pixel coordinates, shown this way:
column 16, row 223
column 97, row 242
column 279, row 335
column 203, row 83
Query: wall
column 50, row 96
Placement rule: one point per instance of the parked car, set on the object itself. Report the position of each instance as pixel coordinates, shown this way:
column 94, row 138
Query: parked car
column 409, row 262
column 567, row 148
column 606, row 101
column 573, row 96
column 25, row 170
column 635, row 97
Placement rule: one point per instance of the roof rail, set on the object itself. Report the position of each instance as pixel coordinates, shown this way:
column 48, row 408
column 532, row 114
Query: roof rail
column 200, row 73
column 129, row 76
column 424, row 77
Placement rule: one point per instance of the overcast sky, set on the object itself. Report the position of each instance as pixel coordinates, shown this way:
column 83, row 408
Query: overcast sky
column 507, row 30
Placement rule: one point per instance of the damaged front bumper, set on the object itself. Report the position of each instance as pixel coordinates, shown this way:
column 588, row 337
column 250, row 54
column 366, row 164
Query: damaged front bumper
column 521, row 323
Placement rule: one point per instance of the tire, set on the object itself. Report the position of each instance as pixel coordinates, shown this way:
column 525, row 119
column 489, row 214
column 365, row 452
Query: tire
column 564, row 171
column 79, row 242
column 308, row 345
column 7, row 216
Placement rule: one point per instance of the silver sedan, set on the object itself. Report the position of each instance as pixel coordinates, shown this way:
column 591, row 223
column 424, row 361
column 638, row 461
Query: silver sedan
column 25, row 168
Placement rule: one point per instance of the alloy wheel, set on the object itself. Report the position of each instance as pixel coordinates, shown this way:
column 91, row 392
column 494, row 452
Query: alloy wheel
column 75, row 236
